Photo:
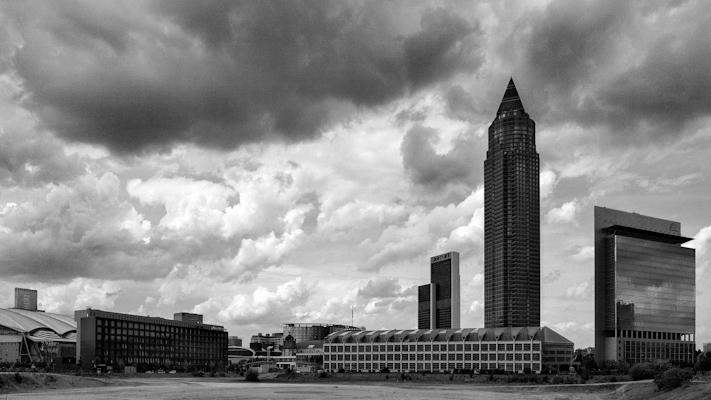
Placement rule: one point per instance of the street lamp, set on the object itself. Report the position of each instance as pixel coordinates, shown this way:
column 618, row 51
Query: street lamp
column 269, row 350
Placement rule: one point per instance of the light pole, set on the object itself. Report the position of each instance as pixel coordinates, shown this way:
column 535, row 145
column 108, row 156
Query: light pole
column 269, row 350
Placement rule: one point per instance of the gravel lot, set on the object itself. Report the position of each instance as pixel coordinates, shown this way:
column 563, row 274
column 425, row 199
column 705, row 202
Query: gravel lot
column 189, row 388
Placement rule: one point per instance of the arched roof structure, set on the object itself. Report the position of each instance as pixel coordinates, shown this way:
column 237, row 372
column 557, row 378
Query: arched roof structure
column 543, row 334
column 39, row 326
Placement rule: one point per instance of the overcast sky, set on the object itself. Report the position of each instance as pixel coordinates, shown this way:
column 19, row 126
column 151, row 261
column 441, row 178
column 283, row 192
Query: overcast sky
column 266, row 162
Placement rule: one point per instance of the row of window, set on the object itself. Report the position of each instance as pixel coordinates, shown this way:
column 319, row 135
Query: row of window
column 635, row 351
column 103, row 323
column 432, row 347
column 434, row 357
column 429, row 367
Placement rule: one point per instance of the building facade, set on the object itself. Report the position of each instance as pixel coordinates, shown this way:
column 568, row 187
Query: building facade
column 36, row 336
column 302, row 332
column 260, row 343
column 108, row 338
column 26, row 299
column 511, row 218
column 439, row 302
column 526, row 349
column 645, row 301
column 234, row 341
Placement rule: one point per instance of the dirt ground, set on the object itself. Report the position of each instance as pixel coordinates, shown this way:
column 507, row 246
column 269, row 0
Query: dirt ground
column 230, row 388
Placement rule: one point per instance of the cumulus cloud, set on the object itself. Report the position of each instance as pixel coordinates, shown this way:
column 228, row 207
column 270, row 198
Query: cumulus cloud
column 80, row 293
column 79, row 230
column 219, row 73
column 581, row 290
column 564, row 214
column 426, row 167
column 452, row 228
column 548, row 180
column 264, row 306
column 585, row 253
column 702, row 244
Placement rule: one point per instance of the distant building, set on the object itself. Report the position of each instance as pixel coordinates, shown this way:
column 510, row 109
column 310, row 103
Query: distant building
column 512, row 245
column 302, row 332
column 188, row 317
column 36, row 336
column 235, row 354
column 645, row 307
column 424, row 306
column 26, row 299
column 234, row 341
column 707, row 347
column 434, row 350
column 260, row 343
column 119, row 340
column 438, row 302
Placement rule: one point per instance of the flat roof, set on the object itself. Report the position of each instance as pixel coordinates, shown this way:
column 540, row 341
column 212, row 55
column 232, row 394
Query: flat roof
column 647, row 235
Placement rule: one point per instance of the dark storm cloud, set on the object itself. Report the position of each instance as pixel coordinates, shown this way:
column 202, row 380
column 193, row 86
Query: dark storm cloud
column 224, row 73
column 427, row 168
column 625, row 65
column 670, row 86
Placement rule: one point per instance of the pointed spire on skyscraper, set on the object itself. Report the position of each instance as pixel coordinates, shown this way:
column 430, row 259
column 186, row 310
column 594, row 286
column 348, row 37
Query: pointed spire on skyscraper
column 511, row 100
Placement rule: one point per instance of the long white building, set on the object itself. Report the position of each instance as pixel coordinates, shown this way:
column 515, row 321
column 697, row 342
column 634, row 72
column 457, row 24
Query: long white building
column 523, row 349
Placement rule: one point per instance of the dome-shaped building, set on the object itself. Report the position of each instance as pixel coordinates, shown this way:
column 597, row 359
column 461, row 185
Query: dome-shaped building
column 36, row 336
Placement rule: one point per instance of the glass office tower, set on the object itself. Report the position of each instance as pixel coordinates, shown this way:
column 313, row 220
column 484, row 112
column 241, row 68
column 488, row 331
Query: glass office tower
column 512, row 281
column 438, row 302
column 644, row 289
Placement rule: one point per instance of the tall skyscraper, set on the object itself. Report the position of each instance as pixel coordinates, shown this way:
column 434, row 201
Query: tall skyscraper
column 438, row 302
column 645, row 307
column 511, row 218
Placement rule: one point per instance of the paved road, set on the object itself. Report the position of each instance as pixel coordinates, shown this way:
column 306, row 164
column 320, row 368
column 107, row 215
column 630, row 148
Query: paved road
column 179, row 389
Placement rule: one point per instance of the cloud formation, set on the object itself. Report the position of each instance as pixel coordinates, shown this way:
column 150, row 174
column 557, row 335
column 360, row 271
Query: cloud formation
column 428, row 168
column 219, row 73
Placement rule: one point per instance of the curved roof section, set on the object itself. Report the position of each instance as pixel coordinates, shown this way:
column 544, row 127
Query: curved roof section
column 526, row 333
column 26, row 321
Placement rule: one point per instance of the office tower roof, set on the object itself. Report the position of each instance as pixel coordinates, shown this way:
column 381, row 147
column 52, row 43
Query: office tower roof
column 511, row 100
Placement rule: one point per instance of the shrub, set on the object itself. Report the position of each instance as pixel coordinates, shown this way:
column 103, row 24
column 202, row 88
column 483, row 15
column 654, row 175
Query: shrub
column 703, row 362
column 252, row 375
column 199, row 374
column 322, row 374
column 18, row 377
column 642, row 371
column 673, row 378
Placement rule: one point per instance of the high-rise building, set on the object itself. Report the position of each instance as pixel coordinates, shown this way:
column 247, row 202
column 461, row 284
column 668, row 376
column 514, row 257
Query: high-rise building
column 26, row 299
column 645, row 300
column 424, row 306
column 511, row 218
column 438, row 302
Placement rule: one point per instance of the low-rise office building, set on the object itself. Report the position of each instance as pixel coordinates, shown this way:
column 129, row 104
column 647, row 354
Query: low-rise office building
column 109, row 338
column 301, row 332
column 418, row 350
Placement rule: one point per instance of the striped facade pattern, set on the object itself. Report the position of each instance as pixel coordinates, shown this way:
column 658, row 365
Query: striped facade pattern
column 507, row 349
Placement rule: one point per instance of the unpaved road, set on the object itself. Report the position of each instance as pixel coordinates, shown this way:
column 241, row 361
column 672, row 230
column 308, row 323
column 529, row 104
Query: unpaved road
column 187, row 388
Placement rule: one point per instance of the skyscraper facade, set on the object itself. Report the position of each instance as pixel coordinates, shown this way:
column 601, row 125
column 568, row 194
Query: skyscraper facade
column 511, row 218
column 645, row 299
column 438, row 302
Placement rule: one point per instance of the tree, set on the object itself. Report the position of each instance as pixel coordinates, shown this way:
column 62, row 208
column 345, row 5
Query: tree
column 252, row 375
column 703, row 362
column 643, row 371
column 673, row 378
